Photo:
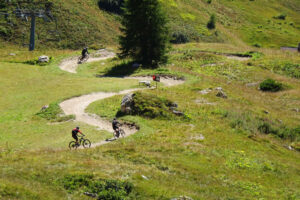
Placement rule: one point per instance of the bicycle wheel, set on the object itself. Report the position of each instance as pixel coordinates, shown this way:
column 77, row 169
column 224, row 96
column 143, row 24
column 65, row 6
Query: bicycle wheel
column 72, row 145
column 122, row 132
column 86, row 143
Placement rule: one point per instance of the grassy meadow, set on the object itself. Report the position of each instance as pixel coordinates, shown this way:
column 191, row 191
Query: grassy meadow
column 219, row 153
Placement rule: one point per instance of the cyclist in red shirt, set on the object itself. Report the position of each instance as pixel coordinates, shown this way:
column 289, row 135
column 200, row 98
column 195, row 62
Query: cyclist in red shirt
column 75, row 131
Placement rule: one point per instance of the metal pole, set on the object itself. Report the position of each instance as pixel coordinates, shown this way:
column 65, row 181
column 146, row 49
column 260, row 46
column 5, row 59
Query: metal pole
column 32, row 33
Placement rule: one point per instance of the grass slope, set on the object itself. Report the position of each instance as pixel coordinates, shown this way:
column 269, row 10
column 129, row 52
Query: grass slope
column 81, row 23
column 234, row 161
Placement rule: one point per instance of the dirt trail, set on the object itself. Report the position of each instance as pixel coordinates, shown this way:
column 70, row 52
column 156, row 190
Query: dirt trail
column 77, row 105
column 70, row 64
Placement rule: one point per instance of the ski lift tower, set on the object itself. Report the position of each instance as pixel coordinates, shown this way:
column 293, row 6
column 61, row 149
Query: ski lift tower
column 33, row 14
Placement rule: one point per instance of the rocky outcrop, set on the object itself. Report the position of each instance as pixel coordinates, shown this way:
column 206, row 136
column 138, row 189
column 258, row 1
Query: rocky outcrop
column 127, row 103
column 44, row 59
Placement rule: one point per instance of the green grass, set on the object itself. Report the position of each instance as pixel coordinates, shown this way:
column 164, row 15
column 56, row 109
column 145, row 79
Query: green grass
column 238, row 22
column 234, row 161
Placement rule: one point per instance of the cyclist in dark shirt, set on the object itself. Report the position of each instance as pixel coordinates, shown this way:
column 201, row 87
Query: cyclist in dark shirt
column 84, row 52
column 115, row 126
column 75, row 132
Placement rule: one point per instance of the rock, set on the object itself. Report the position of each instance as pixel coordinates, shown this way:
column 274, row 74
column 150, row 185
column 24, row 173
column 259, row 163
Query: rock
column 182, row 198
column 204, row 102
column 12, row 54
column 206, row 91
column 295, row 109
column 145, row 177
column 44, row 107
column 127, row 102
column 221, row 94
column 43, row 59
column 90, row 194
column 175, row 105
column 147, row 83
column 266, row 112
column 178, row 113
column 219, row 89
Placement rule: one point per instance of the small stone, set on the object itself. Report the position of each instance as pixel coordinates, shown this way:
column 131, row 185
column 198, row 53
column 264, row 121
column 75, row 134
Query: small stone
column 43, row 59
column 221, row 94
column 178, row 113
column 145, row 177
column 12, row 54
column 219, row 89
column 295, row 109
column 136, row 65
column 44, row 107
column 198, row 137
column 266, row 112
column 206, row 91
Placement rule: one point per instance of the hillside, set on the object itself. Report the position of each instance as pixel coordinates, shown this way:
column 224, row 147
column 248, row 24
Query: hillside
column 223, row 122
column 260, row 23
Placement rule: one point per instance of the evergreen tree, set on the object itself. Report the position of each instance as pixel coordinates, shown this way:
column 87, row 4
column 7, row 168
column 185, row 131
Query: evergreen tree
column 145, row 34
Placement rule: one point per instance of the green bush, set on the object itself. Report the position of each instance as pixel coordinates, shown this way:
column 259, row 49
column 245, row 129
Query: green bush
column 102, row 188
column 270, row 85
column 113, row 6
column 281, row 16
column 151, row 106
column 212, row 22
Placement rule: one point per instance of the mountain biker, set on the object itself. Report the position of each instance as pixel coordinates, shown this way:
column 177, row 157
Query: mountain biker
column 115, row 126
column 75, row 131
column 84, row 53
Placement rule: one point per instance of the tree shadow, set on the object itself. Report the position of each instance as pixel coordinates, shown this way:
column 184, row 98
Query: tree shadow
column 121, row 70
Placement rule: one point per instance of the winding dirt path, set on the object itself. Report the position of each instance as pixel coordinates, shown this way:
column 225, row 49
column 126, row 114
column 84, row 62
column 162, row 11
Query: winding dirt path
column 77, row 105
column 70, row 64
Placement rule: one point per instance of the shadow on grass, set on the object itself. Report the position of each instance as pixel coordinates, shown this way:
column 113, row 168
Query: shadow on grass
column 120, row 70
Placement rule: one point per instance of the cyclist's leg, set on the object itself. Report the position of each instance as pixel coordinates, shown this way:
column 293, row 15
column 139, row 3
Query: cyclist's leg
column 76, row 138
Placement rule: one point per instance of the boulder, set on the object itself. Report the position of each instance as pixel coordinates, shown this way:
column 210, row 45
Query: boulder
column 44, row 107
column 178, row 113
column 12, row 54
column 127, row 102
column 221, row 94
column 43, row 59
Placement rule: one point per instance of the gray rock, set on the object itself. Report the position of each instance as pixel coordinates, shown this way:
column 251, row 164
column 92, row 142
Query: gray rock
column 219, row 88
column 266, row 112
column 44, row 107
column 182, row 198
column 221, row 94
column 145, row 177
column 127, row 102
column 206, row 91
column 178, row 113
column 12, row 54
column 43, row 59
column 136, row 65
column 296, row 110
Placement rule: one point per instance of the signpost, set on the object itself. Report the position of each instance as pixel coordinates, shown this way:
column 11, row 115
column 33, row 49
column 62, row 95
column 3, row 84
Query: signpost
column 156, row 78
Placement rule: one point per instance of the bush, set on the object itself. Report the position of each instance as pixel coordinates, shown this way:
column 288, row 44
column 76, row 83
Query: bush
column 102, row 188
column 270, row 85
column 113, row 6
column 281, row 16
column 212, row 22
column 151, row 106
column 179, row 38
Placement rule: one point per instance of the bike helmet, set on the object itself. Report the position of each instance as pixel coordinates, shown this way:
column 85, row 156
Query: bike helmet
column 77, row 127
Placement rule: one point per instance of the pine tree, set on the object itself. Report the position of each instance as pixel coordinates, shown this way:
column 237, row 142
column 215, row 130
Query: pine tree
column 145, row 34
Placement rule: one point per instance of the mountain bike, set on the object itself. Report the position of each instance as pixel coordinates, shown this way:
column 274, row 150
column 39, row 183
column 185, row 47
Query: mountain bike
column 82, row 141
column 83, row 60
column 119, row 132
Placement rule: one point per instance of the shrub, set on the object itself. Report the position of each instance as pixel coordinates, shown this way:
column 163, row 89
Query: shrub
column 102, row 188
column 151, row 106
column 209, row 1
column 179, row 38
column 54, row 113
column 113, row 6
column 212, row 22
column 281, row 16
column 270, row 85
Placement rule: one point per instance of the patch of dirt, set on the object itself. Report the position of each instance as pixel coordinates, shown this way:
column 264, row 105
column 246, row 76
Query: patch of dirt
column 71, row 64
column 239, row 58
